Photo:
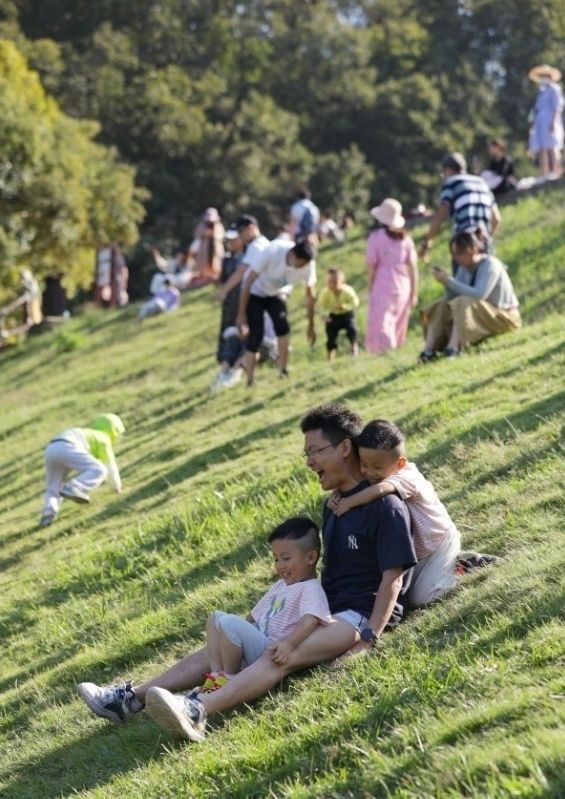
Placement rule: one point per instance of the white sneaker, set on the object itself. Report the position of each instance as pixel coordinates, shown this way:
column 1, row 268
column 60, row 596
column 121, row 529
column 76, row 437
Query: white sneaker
column 180, row 715
column 69, row 491
column 232, row 378
column 219, row 382
column 113, row 702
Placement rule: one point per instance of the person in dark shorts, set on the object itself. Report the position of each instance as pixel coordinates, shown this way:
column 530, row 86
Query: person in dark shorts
column 280, row 266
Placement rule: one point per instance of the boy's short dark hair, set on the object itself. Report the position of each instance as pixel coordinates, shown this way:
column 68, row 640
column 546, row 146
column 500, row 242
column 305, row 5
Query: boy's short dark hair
column 336, row 272
column 304, row 250
column 335, row 421
column 301, row 529
column 380, row 434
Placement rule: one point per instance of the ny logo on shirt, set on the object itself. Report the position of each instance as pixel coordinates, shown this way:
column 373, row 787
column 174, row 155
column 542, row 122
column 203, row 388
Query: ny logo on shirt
column 352, row 542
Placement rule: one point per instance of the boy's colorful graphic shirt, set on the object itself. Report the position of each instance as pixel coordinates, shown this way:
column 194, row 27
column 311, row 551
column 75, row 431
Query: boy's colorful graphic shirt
column 278, row 612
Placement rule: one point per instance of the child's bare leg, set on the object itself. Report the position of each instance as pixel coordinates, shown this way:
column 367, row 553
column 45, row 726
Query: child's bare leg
column 232, row 655
column 213, row 644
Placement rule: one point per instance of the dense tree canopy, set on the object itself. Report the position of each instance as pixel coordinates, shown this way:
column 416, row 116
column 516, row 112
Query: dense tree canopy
column 235, row 104
column 61, row 194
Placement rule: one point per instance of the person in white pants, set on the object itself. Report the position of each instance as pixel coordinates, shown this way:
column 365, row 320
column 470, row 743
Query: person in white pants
column 87, row 451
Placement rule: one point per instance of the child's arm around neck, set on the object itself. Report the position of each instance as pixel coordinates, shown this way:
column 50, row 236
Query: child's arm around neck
column 341, row 505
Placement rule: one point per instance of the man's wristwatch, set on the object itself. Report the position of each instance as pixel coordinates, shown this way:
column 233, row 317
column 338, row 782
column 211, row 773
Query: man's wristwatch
column 368, row 635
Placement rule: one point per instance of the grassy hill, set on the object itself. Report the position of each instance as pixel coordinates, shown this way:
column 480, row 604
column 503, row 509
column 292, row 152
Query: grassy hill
column 464, row 700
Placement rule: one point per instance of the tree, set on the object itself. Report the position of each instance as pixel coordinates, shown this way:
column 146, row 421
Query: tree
column 61, row 194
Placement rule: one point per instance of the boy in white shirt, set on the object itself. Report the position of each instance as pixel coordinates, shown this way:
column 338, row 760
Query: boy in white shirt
column 383, row 463
column 284, row 617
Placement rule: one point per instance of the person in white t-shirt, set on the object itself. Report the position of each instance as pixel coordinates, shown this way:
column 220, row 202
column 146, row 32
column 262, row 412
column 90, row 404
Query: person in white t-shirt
column 246, row 229
column 278, row 269
column 383, row 463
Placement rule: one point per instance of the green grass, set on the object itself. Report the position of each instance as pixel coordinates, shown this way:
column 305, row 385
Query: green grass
column 464, row 700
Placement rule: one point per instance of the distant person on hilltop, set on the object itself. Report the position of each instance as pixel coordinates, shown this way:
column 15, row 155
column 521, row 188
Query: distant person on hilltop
column 479, row 302
column 207, row 249
column 393, row 278
column 329, row 229
column 499, row 175
column 165, row 300
column 86, row 450
column 468, row 200
column 546, row 133
column 304, row 218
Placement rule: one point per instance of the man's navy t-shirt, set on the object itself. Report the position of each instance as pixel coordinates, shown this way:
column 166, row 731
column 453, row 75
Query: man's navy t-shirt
column 359, row 546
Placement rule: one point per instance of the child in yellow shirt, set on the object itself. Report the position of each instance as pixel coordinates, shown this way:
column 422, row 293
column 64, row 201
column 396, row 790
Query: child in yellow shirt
column 338, row 302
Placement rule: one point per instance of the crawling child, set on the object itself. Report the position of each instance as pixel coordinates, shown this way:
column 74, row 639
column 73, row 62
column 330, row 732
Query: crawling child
column 86, row 450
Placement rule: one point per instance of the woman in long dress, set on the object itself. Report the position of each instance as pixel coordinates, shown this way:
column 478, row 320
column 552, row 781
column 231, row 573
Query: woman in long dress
column 393, row 278
column 546, row 133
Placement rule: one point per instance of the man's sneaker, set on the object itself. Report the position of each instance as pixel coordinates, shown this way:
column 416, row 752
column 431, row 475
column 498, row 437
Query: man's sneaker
column 451, row 352
column 70, row 491
column 47, row 518
column 113, row 702
column 180, row 715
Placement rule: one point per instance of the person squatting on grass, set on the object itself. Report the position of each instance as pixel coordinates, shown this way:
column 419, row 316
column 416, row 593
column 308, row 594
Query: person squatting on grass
column 338, row 302
column 383, row 463
column 86, row 450
column 480, row 301
column 368, row 557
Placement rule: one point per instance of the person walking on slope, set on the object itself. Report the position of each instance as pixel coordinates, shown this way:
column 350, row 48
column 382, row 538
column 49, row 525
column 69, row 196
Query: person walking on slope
column 86, row 450
column 393, row 278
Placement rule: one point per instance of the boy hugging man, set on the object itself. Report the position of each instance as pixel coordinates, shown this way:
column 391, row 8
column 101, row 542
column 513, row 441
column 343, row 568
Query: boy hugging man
column 383, row 463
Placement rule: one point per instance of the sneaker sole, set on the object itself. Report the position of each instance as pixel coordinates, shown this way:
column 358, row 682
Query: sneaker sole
column 75, row 498
column 97, row 709
column 164, row 712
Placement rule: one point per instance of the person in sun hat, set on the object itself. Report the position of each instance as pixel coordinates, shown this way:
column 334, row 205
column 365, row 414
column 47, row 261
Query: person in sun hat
column 546, row 132
column 467, row 200
column 393, row 278
column 86, row 450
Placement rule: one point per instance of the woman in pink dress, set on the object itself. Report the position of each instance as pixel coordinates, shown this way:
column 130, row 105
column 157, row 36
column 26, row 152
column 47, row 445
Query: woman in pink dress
column 393, row 278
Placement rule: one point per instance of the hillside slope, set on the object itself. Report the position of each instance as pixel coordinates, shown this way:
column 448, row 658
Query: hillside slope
column 465, row 699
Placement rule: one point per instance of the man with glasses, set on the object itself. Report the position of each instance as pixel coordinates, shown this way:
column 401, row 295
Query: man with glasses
column 368, row 553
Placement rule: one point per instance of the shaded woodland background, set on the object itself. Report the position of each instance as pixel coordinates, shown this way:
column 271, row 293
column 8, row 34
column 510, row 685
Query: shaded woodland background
column 235, row 104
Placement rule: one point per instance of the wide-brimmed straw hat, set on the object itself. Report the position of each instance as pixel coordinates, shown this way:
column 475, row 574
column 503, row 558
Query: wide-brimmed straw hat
column 544, row 71
column 389, row 213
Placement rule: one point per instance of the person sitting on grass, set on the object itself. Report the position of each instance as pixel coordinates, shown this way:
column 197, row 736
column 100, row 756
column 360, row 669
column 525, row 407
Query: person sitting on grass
column 167, row 299
column 367, row 565
column 86, row 450
column 338, row 302
column 383, row 463
column 480, row 301
column 284, row 617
